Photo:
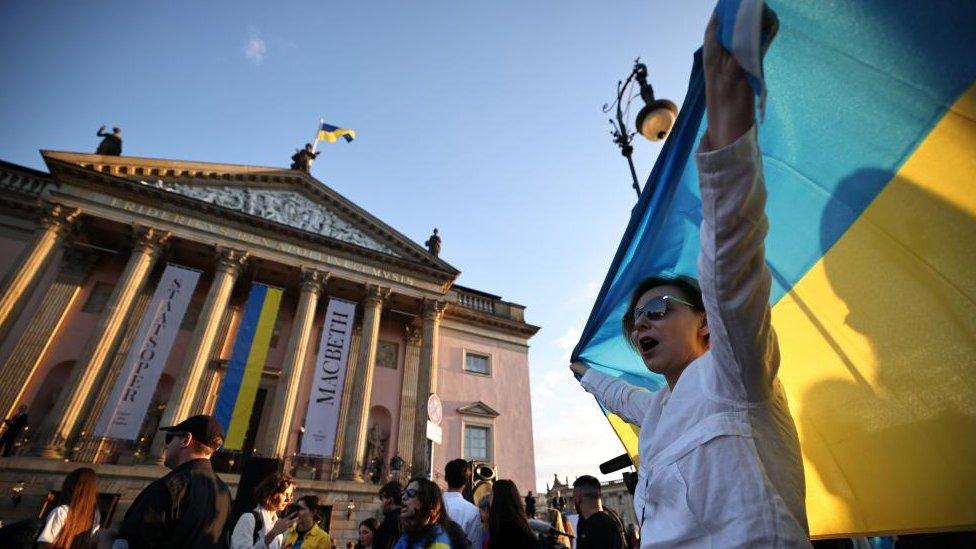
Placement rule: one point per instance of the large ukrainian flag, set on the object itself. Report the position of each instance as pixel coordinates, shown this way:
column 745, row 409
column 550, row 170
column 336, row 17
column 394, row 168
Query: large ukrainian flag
column 869, row 147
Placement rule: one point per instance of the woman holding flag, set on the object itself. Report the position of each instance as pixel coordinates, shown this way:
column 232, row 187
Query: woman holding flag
column 719, row 455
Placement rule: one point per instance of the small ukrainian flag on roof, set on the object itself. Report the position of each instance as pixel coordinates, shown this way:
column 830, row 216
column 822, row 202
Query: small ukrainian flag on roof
column 330, row 133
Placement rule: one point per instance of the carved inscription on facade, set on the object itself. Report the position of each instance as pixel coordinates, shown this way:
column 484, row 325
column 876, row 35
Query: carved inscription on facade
column 285, row 207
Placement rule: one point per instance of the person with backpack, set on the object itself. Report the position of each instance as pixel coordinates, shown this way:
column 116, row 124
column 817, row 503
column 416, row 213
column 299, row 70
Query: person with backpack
column 258, row 528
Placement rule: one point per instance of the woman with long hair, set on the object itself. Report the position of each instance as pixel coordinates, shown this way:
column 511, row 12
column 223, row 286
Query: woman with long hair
column 257, row 528
column 367, row 529
column 508, row 525
column 425, row 523
column 71, row 524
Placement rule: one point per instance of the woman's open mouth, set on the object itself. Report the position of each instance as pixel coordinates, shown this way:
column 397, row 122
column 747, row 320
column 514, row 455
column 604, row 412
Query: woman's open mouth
column 646, row 344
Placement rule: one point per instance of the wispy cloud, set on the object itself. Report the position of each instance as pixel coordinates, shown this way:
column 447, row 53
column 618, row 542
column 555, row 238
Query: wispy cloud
column 256, row 48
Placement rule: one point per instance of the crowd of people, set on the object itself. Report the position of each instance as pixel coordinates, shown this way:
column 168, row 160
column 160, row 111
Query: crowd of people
column 191, row 507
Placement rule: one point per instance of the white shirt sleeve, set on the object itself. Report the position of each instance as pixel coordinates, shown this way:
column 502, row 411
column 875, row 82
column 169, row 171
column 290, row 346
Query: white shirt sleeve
column 735, row 281
column 55, row 521
column 630, row 402
column 473, row 529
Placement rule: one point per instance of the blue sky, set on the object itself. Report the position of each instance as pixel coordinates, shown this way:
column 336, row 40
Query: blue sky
column 482, row 119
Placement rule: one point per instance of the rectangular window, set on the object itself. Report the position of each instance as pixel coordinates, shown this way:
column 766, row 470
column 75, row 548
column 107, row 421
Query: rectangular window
column 386, row 354
column 476, row 442
column 98, row 298
column 478, row 364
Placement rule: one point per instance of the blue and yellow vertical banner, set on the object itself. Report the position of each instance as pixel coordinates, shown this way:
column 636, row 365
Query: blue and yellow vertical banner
column 239, row 388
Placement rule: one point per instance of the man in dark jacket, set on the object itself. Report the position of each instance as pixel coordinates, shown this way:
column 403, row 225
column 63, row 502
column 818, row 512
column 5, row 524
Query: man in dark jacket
column 597, row 528
column 389, row 531
column 188, row 507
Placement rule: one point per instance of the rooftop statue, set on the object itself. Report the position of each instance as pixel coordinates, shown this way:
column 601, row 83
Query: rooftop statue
column 111, row 144
column 302, row 159
column 434, row 244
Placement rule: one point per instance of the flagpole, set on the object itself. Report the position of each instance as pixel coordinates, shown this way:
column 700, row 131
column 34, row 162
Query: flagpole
column 315, row 144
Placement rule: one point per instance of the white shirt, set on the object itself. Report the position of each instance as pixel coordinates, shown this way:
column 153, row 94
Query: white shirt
column 719, row 457
column 466, row 514
column 55, row 521
column 243, row 535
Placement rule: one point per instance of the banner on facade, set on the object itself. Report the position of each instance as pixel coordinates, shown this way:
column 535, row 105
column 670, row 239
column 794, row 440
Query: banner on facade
column 235, row 400
column 325, row 398
column 126, row 408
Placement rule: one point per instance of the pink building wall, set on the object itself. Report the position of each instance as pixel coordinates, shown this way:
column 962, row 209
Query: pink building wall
column 387, row 383
column 506, row 391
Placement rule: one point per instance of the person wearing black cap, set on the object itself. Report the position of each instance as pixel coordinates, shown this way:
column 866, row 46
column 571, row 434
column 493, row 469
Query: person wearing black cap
column 189, row 506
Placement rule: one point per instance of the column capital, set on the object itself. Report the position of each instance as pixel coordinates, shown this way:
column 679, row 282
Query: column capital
column 148, row 240
column 433, row 309
column 231, row 260
column 414, row 334
column 312, row 280
column 58, row 217
column 375, row 296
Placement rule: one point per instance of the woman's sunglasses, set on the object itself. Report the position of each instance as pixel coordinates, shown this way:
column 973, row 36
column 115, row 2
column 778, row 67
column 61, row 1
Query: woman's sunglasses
column 657, row 307
column 410, row 493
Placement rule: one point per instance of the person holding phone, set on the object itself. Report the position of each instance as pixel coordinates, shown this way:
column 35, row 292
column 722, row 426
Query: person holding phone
column 258, row 528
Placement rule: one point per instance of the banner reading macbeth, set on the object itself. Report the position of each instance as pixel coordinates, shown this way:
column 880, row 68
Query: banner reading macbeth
column 235, row 400
column 126, row 408
column 322, row 417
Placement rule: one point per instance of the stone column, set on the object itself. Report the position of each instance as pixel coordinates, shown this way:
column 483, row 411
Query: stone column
column 55, row 224
column 408, row 392
column 275, row 441
column 76, row 264
column 355, row 343
column 229, row 265
column 58, row 428
column 426, row 380
column 354, row 443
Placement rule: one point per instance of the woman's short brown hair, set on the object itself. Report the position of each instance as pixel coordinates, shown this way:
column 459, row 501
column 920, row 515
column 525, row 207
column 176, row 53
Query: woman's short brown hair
column 270, row 486
column 688, row 287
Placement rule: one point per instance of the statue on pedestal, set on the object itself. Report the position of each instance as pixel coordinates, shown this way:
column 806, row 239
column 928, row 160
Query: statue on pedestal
column 302, row 159
column 111, row 144
column 375, row 450
column 434, row 244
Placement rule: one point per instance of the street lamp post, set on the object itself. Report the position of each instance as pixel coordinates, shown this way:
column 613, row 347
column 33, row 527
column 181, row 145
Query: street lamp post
column 654, row 121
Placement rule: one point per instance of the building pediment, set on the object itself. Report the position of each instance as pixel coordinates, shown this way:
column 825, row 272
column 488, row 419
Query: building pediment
column 478, row 409
column 281, row 206
column 288, row 197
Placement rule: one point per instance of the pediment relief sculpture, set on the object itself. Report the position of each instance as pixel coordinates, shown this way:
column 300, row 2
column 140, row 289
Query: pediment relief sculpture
column 281, row 206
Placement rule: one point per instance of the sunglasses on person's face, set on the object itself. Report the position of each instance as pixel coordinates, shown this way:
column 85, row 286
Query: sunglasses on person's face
column 410, row 493
column 657, row 307
column 171, row 436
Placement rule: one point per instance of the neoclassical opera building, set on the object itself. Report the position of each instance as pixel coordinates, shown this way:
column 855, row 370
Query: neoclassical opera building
column 137, row 292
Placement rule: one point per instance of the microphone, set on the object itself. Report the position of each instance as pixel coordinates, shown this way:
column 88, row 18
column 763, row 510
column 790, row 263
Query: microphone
column 615, row 464
column 556, row 533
